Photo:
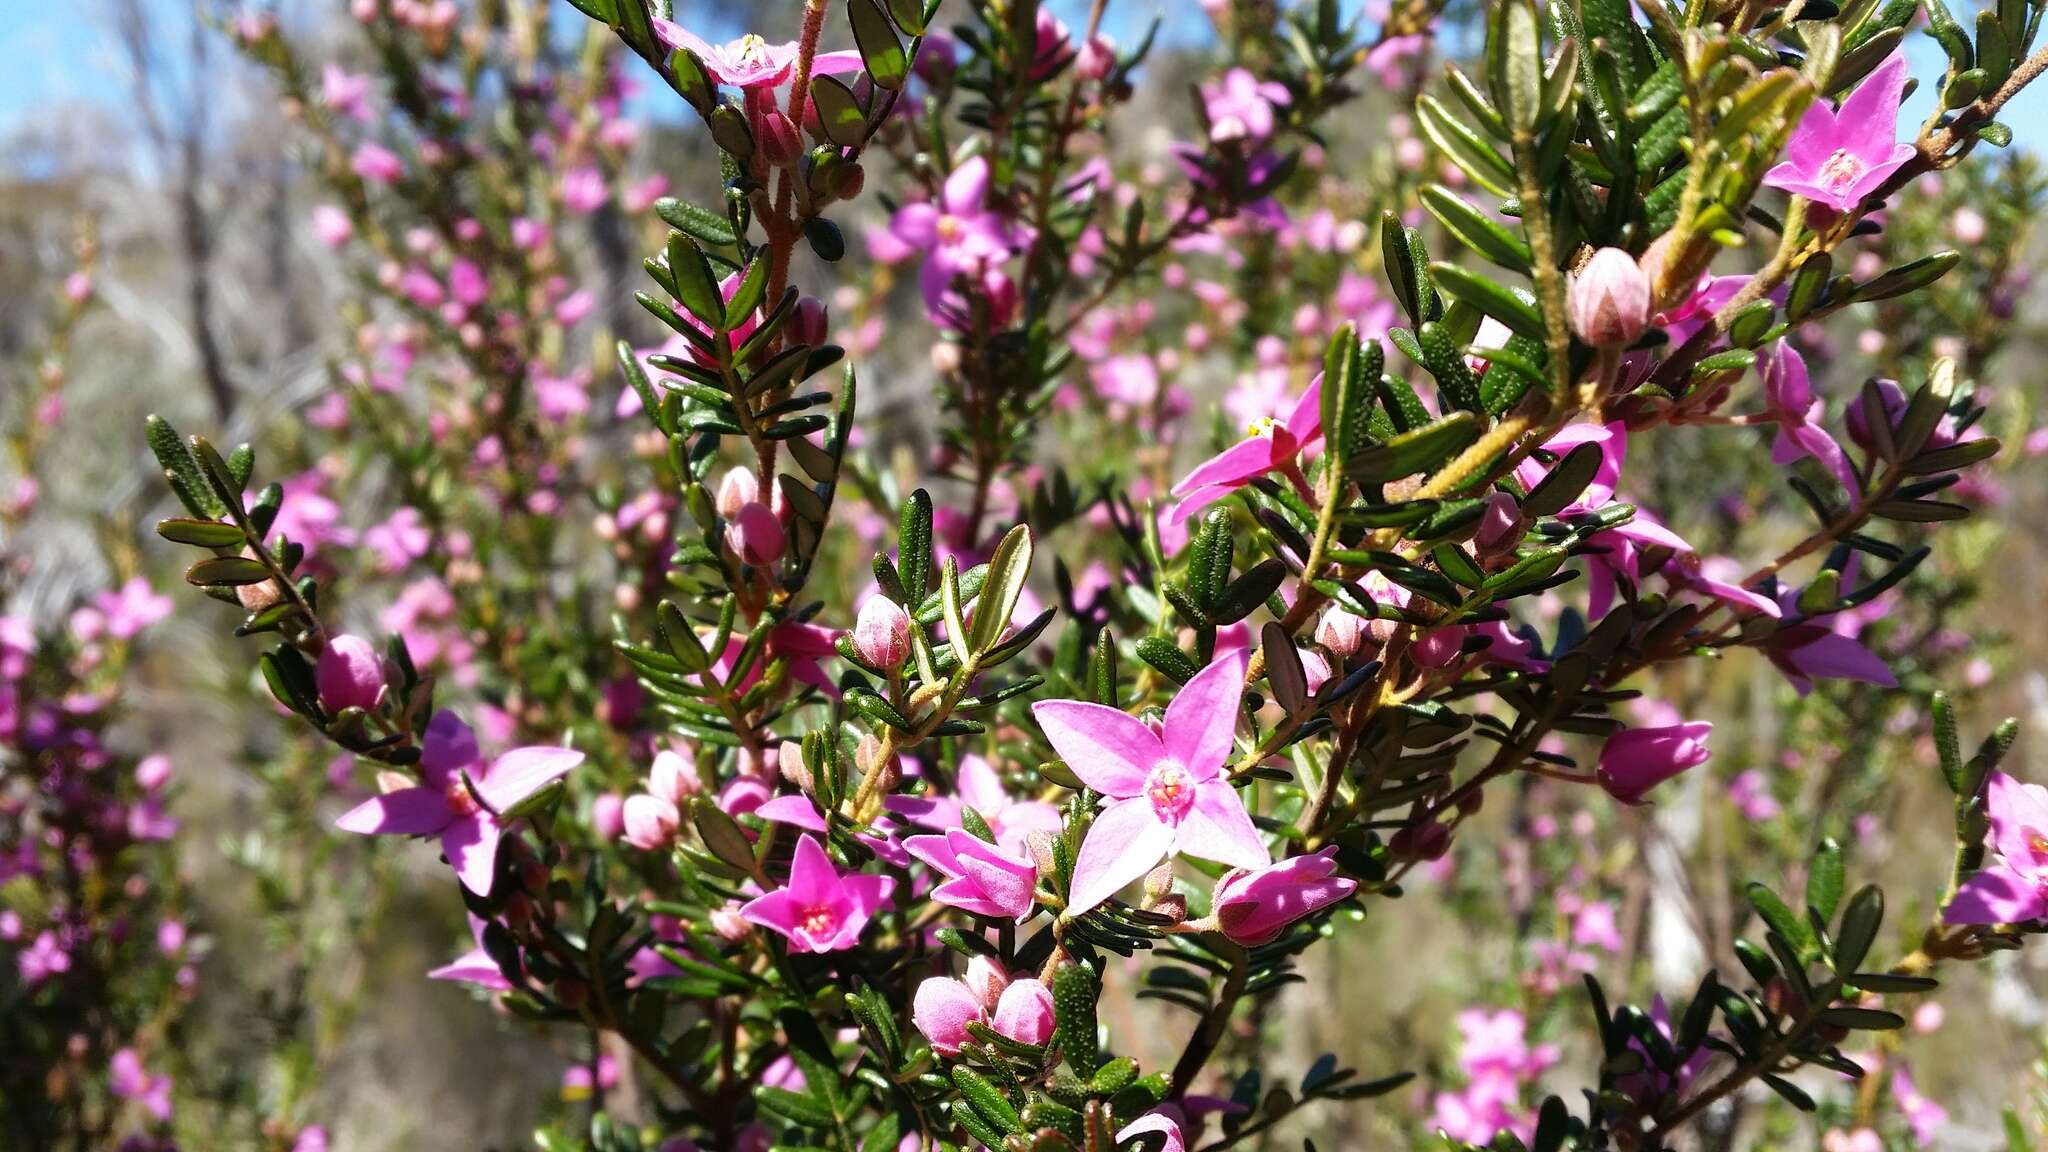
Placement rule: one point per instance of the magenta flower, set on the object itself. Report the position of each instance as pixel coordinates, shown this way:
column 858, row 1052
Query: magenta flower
column 1789, row 392
column 1837, row 158
column 980, row 788
column 980, row 877
column 1269, row 446
column 1241, row 107
column 474, row 966
column 1168, row 791
column 1152, row 1122
column 127, row 1079
column 942, row 1009
column 460, row 798
column 1812, row 650
column 1635, row 760
column 2014, row 888
column 132, row 607
column 958, row 235
column 1254, row 907
column 750, row 62
column 820, row 910
column 349, row 674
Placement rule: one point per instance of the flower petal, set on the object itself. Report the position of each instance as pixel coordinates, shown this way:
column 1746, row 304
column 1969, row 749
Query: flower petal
column 1203, row 715
column 2015, row 811
column 1218, row 828
column 967, row 187
column 406, row 812
column 1125, row 842
column 1110, row 751
column 1995, row 896
column 471, row 845
column 520, row 773
column 1248, row 458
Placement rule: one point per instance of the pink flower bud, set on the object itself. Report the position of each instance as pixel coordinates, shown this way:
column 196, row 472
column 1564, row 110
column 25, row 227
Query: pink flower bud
column 881, row 634
column 1024, row 1013
column 1255, row 907
column 986, row 979
column 1609, row 300
column 608, row 816
column 730, row 925
column 1341, row 631
column 1635, row 760
column 756, row 536
column 942, row 1009
column 673, row 777
column 739, row 489
column 350, row 674
column 651, row 822
column 807, row 323
column 152, row 772
column 777, row 138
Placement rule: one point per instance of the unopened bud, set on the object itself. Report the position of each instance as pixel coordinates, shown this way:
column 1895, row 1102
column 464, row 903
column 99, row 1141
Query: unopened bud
column 1341, row 631
column 807, row 323
column 881, row 634
column 739, row 489
column 777, row 138
column 1609, row 300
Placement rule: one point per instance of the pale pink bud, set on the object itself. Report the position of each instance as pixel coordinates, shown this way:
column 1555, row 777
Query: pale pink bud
column 807, row 323
column 152, row 772
column 608, row 816
column 881, row 634
column 1341, row 631
column 1609, row 300
column 730, row 925
column 756, row 536
column 986, row 979
column 651, row 822
column 673, row 778
column 736, row 491
column 1024, row 1013
column 349, row 674
column 942, row 1009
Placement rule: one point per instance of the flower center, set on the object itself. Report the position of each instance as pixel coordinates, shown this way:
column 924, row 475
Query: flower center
column 460, row 801
column 1840, row 172
column 950, row 227
column 819, row 923
column 1170, row 789
column 753, row 49
column 1261, row 428
column 2037, row 843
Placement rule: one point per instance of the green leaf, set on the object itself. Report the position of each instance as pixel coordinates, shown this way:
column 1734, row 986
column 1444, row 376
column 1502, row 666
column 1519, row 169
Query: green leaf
column 1515, row 309
column 910, row 16
column 1407, row 267
column 1862, row 1019
column 1421, row 450
column 839, row 114
column 696, row 288
column 1514, row 62
column 722, row 835
column 1779, row 916
column 1824, row 880
column 705, row 226
column 1473, row 227
column 1860, row 921
column 1906, row 278
column 1464, row 147
column 806, row 1110
column 200, row 533
column 182, row 470
column 1565, row 481
column 824, row 236
column 1074, row 990
column 880, row 50
column 1008, row 568
column 986, row 1100
column 227, row 571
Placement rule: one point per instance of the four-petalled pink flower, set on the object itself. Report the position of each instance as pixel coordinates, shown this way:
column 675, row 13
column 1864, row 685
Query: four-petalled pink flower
column 1836, row 158
column 819, row 910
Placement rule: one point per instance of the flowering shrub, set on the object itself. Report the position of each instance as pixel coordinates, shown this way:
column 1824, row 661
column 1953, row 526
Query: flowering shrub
column 844, row 864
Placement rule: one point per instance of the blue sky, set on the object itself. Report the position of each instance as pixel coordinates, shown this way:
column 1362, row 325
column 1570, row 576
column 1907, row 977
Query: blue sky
column 52, row 54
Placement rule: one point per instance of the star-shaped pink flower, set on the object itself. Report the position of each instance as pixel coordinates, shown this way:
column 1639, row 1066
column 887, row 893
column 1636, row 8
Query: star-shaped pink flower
column 819, row 910
column 1837, row 158
column 1168, row 791
column 1271, row 446
column 460, row 798
column 2014, row 888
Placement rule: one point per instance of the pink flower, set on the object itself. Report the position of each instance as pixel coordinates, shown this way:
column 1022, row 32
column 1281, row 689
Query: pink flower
column 1789, row 392
column 45, row 957
column 2014, row 887
column 127, row 1079
column 959, row 235
column 1635, row 760
column 474, row 966
column 980, row 877
column 820, row 910
column 584, row 189
column 980, row 788
column 402, row 538
column 1924, row 1116
column 943, row 1008
column 1168, row 793
column 1811, row 650
column 1241, row 107
column 349, row 674
column 1024, row 1013
column 347, row 93
column 1158, row 1122
column 1837, row 158
column 750, row 61
column 460, row 798
column 650, row 821
column 132, row 607
column 1255, row 907
column 377, row 164
column 1270, row 446
column 331, row 225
